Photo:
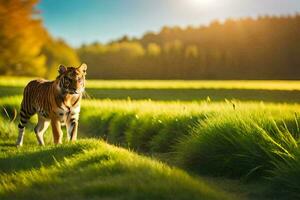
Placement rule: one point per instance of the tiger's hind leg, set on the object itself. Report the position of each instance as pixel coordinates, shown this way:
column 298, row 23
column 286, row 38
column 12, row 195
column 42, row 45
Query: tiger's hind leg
column 24, row 118
column 20, row 135
column 40, row 129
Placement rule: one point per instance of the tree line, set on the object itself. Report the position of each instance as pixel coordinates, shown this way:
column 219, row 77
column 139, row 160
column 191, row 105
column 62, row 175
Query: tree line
column 266, row 47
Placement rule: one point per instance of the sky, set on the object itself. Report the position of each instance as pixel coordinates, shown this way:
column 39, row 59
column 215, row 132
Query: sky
column 87, row 21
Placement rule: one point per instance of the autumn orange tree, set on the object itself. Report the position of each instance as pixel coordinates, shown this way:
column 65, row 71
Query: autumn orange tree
column 26, row 48
column 21, row 38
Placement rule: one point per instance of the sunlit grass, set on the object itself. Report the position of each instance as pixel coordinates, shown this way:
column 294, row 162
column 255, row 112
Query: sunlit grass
column 244, row 140
column 168, row 90
column 247, row 140
column 170, row 84
column 175, row 84
column 229, row 138
column 92, row 169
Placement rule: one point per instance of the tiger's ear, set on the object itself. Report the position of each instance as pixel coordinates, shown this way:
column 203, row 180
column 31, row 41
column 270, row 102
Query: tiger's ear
column 62, row 69
column 82, row 68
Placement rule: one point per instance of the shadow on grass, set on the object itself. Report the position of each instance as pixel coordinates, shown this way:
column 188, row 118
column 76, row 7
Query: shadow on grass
column 26, row 159
column 109, row 175
column 10, row 91
column 182, row 94
column 7, row 144
column 79, row 180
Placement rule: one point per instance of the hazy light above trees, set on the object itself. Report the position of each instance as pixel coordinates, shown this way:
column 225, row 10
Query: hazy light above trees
column 202, row 3
column 103, row 20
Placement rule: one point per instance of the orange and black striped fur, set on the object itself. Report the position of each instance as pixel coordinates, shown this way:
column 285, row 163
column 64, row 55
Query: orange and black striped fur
column 56, row 102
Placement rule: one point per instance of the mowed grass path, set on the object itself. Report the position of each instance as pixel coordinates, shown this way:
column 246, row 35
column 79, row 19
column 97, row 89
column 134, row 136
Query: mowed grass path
column 270, row 91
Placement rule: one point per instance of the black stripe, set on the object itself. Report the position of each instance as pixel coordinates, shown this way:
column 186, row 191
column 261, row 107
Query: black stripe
column 27, row 100
column 20, row 126
column 23, row 121
column 73, row 123
column 61, row 83
column 32, row 111
column 73, row 120
column 76, row 101
column 23, row 115
column 23, row 111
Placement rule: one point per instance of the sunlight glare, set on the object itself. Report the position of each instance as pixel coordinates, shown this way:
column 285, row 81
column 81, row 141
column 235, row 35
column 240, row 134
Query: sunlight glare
column 202, row 2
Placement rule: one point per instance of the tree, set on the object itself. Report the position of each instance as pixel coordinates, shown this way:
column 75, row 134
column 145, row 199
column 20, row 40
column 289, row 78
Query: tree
column 153, row 49
column 21, row 38
column 263, row 48
column 191, row 51
column 58, row 52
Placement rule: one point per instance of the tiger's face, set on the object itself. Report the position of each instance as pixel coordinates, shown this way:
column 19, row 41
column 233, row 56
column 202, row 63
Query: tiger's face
column 72, row 79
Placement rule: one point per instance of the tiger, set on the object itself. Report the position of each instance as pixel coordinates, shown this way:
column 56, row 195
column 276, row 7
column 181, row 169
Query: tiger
column 55, row 102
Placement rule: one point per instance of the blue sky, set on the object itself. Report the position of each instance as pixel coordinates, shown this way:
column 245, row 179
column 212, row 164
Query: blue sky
column 86, row 21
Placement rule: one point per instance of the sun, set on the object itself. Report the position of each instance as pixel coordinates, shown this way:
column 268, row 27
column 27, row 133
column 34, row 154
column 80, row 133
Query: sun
column 202, row 2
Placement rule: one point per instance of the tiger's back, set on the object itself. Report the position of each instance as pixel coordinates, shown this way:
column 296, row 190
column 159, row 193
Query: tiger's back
column 37, row 98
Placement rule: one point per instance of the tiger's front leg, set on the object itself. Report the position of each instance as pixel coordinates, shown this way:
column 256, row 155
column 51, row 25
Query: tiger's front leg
column 57, row 132
column 72, row 127
column 40, row 129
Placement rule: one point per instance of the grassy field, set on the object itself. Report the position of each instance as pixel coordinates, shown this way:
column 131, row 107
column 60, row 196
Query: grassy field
column 247, row 149
column 268, row 91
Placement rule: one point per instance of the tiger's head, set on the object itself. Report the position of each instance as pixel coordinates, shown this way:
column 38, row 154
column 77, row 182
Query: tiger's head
column 71, row 80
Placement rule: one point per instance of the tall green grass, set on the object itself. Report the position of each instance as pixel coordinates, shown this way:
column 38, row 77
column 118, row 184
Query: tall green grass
column 142, row 125
column 236, row 145
column 249, row 141
column 285, row 177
